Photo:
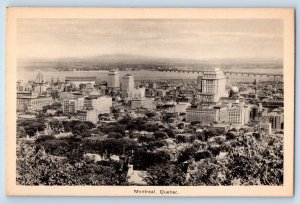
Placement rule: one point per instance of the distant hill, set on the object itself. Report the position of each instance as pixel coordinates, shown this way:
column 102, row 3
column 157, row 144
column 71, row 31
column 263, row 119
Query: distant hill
column 144, row 62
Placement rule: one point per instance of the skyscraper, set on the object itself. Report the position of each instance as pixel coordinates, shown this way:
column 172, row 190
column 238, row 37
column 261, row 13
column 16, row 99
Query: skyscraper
column 113, row 80
column 213, row 85
column 127, row 86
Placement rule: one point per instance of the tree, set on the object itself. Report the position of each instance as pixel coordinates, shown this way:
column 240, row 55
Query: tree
column 169, row 132
column 207, row 175
column 181, row 139
column 150, row 114
column 21, row 132
column 230, row 136
column 151, row 128
column 112, row 128
column 35, row 167
column 200, row 136
column 186, row 154
column 203, row 155
column 180, row 126
column 166, row 174
column 145, row 139
column 159, row 135
column 115, row 135
column 142, row 159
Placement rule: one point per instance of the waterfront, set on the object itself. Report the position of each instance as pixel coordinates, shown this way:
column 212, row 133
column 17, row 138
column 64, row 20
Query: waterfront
column 138, row 75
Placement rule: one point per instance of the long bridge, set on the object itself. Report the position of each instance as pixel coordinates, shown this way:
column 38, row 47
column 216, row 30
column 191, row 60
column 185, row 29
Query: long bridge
column 253, row 74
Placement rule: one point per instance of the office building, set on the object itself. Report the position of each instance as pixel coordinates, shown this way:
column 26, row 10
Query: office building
column 127, row 86
column 238, row 115
column 213, row 85
column 33, row 102
column 102, row 104
column 113, row 79
column 202, row 114
column 92, row 115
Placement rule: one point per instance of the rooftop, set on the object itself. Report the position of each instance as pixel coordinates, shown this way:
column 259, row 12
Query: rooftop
column 81, row 78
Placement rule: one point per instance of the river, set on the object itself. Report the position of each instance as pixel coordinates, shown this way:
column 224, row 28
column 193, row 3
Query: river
column 138, row 75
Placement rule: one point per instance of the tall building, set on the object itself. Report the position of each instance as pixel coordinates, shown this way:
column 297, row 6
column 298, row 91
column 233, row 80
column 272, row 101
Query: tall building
column 113, row 79
column 69, row 106
column 102, row 104
column 66, row 106
column 127, row 86
column 213, row 85
column 73, row 106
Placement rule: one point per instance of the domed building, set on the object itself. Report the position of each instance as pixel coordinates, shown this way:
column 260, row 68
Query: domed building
column 234, row 92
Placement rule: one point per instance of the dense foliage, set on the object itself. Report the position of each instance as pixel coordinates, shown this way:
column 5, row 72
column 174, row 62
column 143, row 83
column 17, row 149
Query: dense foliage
column 35, row 167
column 210, row 157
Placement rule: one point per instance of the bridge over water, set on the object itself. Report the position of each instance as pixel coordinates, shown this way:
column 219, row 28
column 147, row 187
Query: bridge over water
column 228, row 74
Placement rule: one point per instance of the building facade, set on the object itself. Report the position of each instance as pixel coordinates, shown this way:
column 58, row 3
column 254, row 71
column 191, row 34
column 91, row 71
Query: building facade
column 113, row 79
column 139, row 93
column 213, row 85
column 80, row 80
column 102, row 104
column 238, row 114
column 32, row 102
column 276, row 120
column 202, row 115
column 127, row 86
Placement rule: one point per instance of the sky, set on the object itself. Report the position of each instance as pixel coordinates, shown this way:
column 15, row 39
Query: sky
column 195, row 39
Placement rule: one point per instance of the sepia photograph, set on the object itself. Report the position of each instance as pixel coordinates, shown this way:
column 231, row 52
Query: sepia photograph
column 150, row 102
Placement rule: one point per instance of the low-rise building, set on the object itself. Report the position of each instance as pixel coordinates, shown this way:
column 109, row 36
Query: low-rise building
column 80, row 80
column 202, row 115
column 33, row 102
column 147, row 103
column 264, row 127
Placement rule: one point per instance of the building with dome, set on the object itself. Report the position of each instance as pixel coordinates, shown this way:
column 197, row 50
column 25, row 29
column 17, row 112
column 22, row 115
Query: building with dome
column 234, row 92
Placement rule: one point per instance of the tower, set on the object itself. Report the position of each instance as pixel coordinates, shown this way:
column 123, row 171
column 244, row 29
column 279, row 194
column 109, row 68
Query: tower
column 213, row 85
column 127, row 86
column 113, row 80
